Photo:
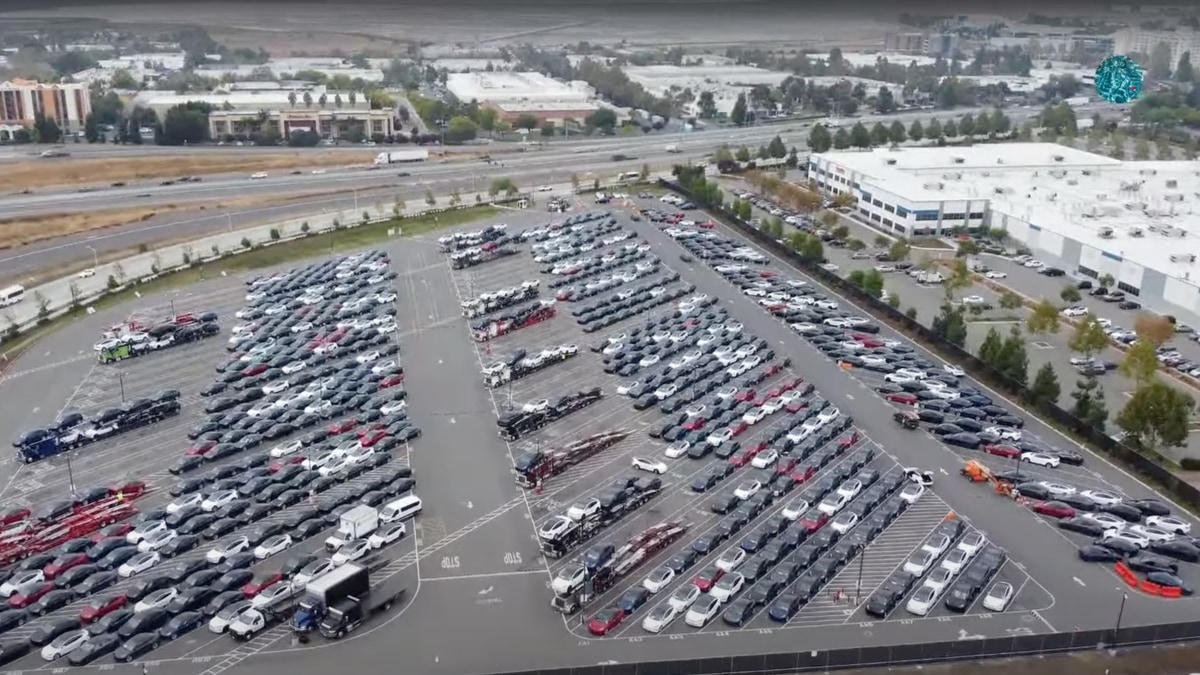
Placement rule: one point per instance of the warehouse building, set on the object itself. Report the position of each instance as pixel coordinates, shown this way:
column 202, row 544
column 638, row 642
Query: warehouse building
column 725, row 81
column 1084, row 213
column 513, row 94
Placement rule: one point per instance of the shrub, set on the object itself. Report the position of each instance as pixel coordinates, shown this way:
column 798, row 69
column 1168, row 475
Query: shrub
column 274, row 234
column 246, row 243
column 304, row 228
column 112, row 282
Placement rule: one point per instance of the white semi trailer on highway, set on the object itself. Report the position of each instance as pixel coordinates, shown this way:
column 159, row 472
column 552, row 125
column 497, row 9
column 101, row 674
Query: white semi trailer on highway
column 402, row 156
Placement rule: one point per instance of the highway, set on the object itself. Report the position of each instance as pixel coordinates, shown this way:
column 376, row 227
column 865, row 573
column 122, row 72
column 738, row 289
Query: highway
column 362, row 189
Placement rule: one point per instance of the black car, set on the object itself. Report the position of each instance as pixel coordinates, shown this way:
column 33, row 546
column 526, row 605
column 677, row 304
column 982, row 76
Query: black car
column 143, row 586
column 222, row 600
column 182, row 543
column 1095, row 553
column 12, row 618
column 109, row 623
column 180, row 624
column 184, row 569
column 75, row 576
column 45, row 633
column 95, row 647
column 137, row 645
column 148, row 621
column 52, row 601
column 232, row 580
column 738, row 612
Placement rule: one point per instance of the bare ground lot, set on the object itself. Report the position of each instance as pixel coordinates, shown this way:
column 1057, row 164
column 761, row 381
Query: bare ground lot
column 1168, row 660
column 45, row 173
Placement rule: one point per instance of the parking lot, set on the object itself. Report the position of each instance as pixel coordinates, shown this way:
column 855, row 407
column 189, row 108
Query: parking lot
column 475, row 567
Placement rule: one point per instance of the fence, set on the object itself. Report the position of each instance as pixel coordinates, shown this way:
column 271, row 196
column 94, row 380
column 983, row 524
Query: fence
column 1181, row 490
column 899, row 655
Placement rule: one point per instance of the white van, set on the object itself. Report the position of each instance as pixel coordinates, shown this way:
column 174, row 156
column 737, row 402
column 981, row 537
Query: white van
column 402, row 509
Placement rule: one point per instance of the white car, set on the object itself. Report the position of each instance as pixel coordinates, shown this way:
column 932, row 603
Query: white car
column 541, row 405
column 367, row 357
column 64, row 644
column 720, row 436
column 582, row 510
column 658, row 579
column 351, row 552
column 317, row 461
column 747, row 489
column 832, row 504
column 146, row 529
column 677, row 449
column 1005, row 433
column 1139, row 540
column 218, row 553
column 156, row 599
column 85, row 273
column 392, row 407
column 936, row 545
column 1057, row 490
column 1075, row 311
column 993, row 274
column 755, row 415
column 999, row 596
column 157, row 541
column 922, row 601
column 285, row 449
column 194, row 499
column 730, row 585
column 277, row 387
column 953, row 370
column 795, row 508
column 732, row 558
column 219, row 623
column 765, row 458
column 1169, row 524
column 695, row 410
column 702, row 611
column 1107, row 520
column 843, row 523
column 1154, row 534
column 274, row 594
column 272, row 545
column 387, row 535
column 919, row 563
column 912, row 492
column 335, row 465
column 1103, row 497
column 258, row 175
column 660, row 617
column 21, row 582
column 649, row 360
column 624, row 388
column 666, row 391
column 850, row 489
column 651, row 465
column 972, row 543
column 939, row 579
column 318, row 408
column 1041, row 459
column 684, row 596
column 359, row 454
column 555, row 527
column 956, row 561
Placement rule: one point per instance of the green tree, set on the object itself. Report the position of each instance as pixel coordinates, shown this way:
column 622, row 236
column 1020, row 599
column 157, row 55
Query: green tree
column 525, row 121
column 880, row 135
column 430, row 199
column 1156, row 416
column 870, row 281
column 1106, row 280
column 738, row 114
column 966, row 125
column 959, row 279
column 915, row 131
column 1140, row 363
column 933, row 130
column 841, row 139
column 1013, row 360
column 899, row 250
column 47, row 129
column 743, row 154
column 951, row 129
column 811, row 248
column 776, row 148
column 820, row 139
column 460, row 129
column 859, row 136
column 1090, row 406
column 897, row 132
column 950, row 324
column 1045, row 388
column 121, row 79
column 885, row 101
column 186, row 124
column 504, row 185
column 1070, row 294
column 1010, row 301
column 1184, row 73
column 1089, row 337
column 990, row 348
column 1043, row 319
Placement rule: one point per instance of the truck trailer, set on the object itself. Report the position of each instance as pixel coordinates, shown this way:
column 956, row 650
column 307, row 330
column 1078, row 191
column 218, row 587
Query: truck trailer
column 574, row 533
column 520, row 364
column 74, row 430
column 517, row 424
column 358, row 523
column 401, row 157
column 346, row 615
column 535, row 466
column 327, row 590
column 497, row 326
column 576, row 585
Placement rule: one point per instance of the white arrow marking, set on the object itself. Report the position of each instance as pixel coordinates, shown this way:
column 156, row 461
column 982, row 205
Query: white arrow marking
column 487, row 590
column 453, row 421
column 470, row 505
column 1079, row 581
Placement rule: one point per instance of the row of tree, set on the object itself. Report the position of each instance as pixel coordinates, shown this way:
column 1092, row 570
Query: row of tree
column 858, row 136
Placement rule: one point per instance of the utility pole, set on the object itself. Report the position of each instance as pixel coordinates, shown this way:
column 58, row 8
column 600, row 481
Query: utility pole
column 121, row 380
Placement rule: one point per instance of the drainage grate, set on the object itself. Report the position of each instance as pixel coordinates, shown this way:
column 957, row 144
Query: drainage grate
column 1043, row 345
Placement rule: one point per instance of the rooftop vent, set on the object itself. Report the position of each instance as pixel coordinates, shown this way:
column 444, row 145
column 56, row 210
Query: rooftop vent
column 1148, row 172
column 934, row 186
column 1106, row 233
column 1183, row 258
column 1172, row 184
column 1000, row 160
column 1058, row 173
column 1087, row 172
column 1072, row 181
column 959, row 160
column 891, row 161
column 1058, row 158
column 1136, row 232
column 1173, row 197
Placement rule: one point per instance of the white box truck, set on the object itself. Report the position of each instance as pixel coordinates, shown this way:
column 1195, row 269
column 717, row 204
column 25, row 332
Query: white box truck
column 359, row 522
column 401, row 156
column 673, row 149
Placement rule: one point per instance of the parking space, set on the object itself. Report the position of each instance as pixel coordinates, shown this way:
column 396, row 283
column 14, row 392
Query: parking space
column 1078, row 474
column 260, row 466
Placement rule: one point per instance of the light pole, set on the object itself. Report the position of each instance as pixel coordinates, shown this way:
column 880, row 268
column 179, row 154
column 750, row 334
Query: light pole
column 862, row 557
column 1120, row 613
column 71, row 479
column 121, row 381
column 95, row 256
column 229, row 220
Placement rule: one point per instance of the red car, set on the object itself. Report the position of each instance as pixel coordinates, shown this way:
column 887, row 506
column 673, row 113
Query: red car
column 848, row 441
column 200, row 448
column 255, row 587
column 745, row 395
column 371, row 437
column 99, row 607
column 745, row 456
column 1002, row 451
column 342, row 426
column 251, row 371
column 814, row 520
column 785, row 465
column 1054, row 509
column 19, row 601
column 14, row 515
column 707, row 225
column 804, row 473
column 131, row 489
column 695, row 424
column 708, row 577
column 606, row 620
column 791, row 383
column 797, row 406
column 775, row 393
column 115, row 530
column 276, row 465
column 738, row 428
column 391, row 380
column 902, row 397
column 63, row 563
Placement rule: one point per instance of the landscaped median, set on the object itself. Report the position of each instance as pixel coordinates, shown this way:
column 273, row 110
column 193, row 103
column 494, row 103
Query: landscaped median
column 55, row 304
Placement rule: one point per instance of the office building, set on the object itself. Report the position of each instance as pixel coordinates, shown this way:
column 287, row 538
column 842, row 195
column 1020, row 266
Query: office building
column 22, row 100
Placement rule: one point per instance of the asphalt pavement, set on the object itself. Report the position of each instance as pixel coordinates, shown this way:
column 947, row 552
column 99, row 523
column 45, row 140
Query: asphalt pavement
column 477, row 577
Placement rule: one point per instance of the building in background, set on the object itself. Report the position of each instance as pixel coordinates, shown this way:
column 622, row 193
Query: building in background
column 725, row 81
column 1087, row 214
column 22, row 100
column 513, row 94
column 1139, row 41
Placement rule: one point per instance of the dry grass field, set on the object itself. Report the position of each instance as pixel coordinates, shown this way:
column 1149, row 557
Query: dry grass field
column 43, row 173
column 1168, row 660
